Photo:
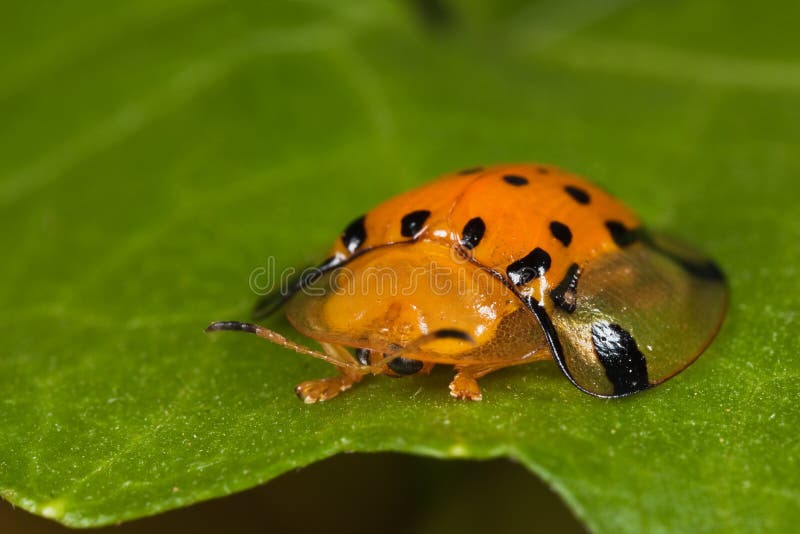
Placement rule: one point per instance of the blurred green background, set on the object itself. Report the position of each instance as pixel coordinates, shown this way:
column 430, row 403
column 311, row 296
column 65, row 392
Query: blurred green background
column 152, row 154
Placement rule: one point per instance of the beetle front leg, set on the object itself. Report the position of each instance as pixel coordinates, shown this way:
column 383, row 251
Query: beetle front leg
column 323, row 389
column 465, row 384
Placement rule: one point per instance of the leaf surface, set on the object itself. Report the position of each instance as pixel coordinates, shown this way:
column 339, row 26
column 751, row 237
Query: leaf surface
column 155, row 155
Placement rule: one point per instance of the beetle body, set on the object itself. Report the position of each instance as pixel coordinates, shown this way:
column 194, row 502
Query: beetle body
column 499, row 266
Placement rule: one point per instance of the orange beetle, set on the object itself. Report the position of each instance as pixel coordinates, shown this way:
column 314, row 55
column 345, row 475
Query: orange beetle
column 499, row 266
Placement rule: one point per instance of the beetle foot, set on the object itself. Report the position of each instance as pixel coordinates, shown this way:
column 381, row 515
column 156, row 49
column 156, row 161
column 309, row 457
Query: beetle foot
column 323, row 389
column 465, row 387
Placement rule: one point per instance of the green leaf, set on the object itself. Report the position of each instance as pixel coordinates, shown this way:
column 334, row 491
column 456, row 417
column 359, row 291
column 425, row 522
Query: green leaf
column 154, row 154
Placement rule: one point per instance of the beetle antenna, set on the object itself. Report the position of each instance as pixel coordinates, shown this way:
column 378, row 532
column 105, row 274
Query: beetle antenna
column 278, row 339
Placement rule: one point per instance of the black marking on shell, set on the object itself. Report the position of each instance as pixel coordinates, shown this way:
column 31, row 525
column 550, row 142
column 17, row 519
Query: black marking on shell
column 624, row 364
column 452, row 333
column 405, row 366
column 707, row 270
column 551, row 336
column 561, row 232
column 578, row 195
column 621, row 234
column 515, row 180
column 548, row 329
column 565, row 294
column 701, row 269
column 354, row 235
column 553, row 341
column 413, row 223
column 273, row 301
column 532, row 266
column 472, row 233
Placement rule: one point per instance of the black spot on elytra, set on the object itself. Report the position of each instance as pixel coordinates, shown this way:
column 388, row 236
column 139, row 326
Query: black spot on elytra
column 354, row 235
column 471, row 170
column 701, row 269
column 621, row 234
column 405, row 366
column 565, row 294
column 272, row 302
column 622, row 360
column 561, row 232
column 412, row 223
column 515, row 180
column 532, row 266
column 472, row 233
column 452, row 333
column 705, row 269
column 578, row 195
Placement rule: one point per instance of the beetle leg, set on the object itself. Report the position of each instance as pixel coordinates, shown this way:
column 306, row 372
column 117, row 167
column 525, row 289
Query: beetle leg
column 323, row 389
column 465, row 383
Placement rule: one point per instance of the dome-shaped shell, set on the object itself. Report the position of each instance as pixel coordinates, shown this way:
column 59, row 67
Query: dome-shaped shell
column 620, row 309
